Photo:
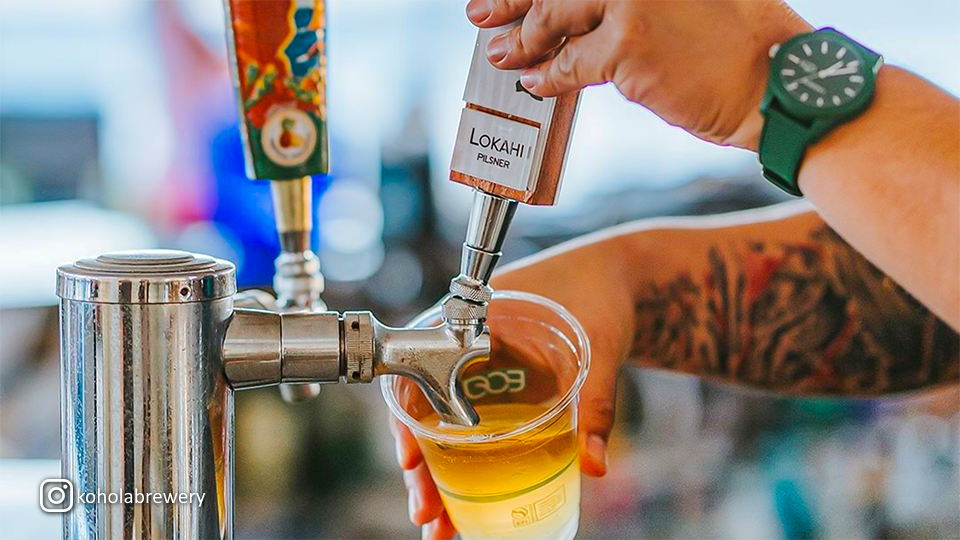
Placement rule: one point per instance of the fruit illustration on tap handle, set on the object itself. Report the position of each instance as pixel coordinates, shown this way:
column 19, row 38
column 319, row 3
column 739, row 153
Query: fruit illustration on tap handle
column 288, row 138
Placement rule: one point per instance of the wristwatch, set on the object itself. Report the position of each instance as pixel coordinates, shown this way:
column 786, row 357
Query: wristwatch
column 817, row 81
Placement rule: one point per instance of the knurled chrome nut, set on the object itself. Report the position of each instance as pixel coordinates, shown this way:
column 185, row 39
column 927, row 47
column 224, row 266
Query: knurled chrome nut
column 296, row 264
column 292, row 287
column 460, row 310
column 358, row 346
column 469, row 289
column 297, row 275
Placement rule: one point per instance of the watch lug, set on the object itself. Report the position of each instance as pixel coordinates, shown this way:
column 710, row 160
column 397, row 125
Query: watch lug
column 767, row 101
column 877, row 65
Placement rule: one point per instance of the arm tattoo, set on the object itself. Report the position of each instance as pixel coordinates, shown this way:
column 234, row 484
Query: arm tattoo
column 812, row 318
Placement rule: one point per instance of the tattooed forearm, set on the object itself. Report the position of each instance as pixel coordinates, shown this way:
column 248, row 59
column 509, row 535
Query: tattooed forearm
column 815, row 318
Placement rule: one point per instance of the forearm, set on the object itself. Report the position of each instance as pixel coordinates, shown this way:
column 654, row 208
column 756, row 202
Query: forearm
column 889, row 183
column 779, row 303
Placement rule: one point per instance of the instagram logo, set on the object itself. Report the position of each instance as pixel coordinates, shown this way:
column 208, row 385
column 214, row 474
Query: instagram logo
column 56, row 495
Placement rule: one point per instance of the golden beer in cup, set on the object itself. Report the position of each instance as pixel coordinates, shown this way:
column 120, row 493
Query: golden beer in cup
column 516, row 475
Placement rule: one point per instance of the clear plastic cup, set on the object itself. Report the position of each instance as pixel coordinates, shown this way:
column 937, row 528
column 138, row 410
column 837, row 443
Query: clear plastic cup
column 516, row 475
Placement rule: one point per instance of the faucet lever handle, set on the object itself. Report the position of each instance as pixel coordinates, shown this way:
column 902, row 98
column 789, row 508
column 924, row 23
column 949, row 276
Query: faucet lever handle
column 434, row 358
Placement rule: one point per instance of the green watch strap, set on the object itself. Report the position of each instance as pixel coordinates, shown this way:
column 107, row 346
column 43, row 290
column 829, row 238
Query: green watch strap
column 783, row 142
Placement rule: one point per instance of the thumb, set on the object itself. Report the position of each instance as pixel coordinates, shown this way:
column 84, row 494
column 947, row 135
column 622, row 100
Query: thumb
column 596, row 414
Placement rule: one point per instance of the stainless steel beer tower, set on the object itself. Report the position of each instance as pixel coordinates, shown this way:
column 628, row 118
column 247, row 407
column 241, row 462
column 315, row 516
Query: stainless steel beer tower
column 145, row 404
column 153, row 344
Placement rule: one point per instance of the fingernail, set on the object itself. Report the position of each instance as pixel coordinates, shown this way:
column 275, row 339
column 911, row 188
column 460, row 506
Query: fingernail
column 497, row 49
column 478, row 10
column 413, row 504
column 399, row 448
column 597, row 448
column 529, row 79
column 426, row 532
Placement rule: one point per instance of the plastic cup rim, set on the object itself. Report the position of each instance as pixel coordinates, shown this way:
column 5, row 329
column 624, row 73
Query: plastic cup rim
column 582, row 341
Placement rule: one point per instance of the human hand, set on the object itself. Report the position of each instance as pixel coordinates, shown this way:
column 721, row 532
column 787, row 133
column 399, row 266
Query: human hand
column 588, row 282
column 698, row 64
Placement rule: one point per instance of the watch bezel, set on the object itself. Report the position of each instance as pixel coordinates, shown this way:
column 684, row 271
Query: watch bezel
column 800, row 109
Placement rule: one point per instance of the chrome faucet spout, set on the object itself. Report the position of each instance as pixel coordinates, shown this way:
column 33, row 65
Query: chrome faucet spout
column 433, row 358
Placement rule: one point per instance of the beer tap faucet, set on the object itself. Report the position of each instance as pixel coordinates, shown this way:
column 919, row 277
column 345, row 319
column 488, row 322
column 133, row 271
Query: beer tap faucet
column 154, row 344
column 293, row 340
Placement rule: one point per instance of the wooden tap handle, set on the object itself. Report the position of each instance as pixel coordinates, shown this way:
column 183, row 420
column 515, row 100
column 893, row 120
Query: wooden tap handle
column 511, row 143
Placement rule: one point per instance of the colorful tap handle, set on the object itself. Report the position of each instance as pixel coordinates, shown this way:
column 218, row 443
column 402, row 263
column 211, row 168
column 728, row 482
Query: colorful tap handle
column 278, row 64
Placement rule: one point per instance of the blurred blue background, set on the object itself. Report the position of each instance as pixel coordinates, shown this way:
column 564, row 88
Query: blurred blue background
column 118, row 130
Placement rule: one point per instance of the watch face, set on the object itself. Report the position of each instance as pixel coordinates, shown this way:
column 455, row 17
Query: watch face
column 822, row 73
